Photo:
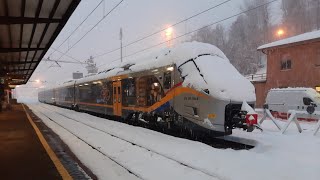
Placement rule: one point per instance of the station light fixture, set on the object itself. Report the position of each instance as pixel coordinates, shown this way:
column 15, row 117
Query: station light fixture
column 280, row 33
column 169, row 31
column 170, row 68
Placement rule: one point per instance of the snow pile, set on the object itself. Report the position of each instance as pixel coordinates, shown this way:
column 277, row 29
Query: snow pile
column 294, row 39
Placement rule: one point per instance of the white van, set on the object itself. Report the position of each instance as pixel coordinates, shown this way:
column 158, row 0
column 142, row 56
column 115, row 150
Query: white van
column 280, row 101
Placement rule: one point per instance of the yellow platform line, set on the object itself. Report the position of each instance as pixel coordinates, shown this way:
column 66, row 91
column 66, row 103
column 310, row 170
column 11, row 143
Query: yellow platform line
column 62, row 171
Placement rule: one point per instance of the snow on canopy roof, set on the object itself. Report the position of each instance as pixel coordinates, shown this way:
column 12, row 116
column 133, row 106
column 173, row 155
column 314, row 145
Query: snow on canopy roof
column 299, row 38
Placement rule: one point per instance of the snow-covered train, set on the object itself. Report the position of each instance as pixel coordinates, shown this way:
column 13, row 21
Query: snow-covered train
column 191, row 86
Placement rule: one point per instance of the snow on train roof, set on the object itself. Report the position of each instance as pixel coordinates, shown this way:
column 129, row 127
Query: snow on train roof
column 221, row 79
column 168, row 56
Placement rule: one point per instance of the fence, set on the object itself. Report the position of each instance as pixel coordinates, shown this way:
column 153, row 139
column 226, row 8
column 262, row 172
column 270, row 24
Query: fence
column 292, row 119
column 257, row 77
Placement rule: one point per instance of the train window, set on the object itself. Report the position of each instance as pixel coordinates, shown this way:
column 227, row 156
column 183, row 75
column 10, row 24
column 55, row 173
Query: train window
column 96, row 93
column 70, row 94
column 167, row 80
column 114, row 90
column 84, row 94
column 129, row 91
column 106, row 93
column 155, row 92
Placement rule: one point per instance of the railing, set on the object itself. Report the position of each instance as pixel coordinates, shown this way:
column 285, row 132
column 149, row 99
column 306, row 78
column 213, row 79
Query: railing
column 257, row 77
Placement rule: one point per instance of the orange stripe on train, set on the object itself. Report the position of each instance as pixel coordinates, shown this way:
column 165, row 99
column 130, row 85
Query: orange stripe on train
column 170, row 95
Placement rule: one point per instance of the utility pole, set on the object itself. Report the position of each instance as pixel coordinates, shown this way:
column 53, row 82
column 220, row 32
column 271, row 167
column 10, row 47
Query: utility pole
column 121, row 44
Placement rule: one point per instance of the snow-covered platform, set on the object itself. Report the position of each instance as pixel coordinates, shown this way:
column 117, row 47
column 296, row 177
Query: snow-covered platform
column 114, row 150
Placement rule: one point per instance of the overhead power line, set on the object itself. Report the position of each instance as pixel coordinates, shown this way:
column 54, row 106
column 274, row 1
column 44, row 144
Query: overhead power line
column 163, row 29
column 104, row 16
column 62, row 61
column 72, row 33
column 67, row 55
column 91, row 29
column 163, row 42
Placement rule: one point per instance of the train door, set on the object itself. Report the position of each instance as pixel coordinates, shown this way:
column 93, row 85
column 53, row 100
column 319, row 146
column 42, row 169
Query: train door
column 117, row 98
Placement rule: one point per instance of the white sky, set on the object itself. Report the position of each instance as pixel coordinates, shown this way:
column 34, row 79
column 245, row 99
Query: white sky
column 137, row 18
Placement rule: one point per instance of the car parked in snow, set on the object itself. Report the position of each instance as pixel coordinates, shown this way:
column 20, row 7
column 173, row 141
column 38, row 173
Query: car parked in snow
column 281, row 100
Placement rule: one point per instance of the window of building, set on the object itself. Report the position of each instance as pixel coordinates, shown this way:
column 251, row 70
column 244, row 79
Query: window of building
column 286, row 64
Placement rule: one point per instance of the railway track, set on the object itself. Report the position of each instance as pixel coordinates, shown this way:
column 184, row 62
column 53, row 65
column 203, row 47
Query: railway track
column 93, row 147
column 220, row 142
column 210, row 174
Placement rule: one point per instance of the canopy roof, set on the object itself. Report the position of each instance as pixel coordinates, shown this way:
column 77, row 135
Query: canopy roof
column 27, row 30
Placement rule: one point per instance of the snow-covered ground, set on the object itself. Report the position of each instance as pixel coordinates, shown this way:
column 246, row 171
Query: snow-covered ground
column 128, row 152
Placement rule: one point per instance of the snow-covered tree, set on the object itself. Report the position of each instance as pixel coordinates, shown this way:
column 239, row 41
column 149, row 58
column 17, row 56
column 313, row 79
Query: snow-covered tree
column 215, row 36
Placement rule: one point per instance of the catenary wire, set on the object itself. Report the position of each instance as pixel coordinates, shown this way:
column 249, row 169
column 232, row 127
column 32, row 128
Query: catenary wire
column 190, row 32
column 163, row 29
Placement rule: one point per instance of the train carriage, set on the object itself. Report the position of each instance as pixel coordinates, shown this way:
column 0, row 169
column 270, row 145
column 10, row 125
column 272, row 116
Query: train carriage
column 192, row 86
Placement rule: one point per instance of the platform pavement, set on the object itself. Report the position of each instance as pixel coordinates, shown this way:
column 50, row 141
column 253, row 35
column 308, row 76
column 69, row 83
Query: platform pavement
column 25, row 155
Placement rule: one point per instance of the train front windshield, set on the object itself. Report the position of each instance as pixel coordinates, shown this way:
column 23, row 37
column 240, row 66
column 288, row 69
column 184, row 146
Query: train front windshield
column 217, row 77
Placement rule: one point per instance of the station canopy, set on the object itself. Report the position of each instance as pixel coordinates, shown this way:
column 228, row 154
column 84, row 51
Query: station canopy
column 27, row 30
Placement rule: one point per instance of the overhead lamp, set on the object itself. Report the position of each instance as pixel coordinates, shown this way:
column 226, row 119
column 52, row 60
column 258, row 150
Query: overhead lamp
column 170, row 69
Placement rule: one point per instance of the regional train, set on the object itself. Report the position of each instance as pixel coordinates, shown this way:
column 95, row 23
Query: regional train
column 190, row 86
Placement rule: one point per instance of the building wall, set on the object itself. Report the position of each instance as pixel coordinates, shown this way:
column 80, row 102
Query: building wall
column 261, row 93
column 304, row 72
